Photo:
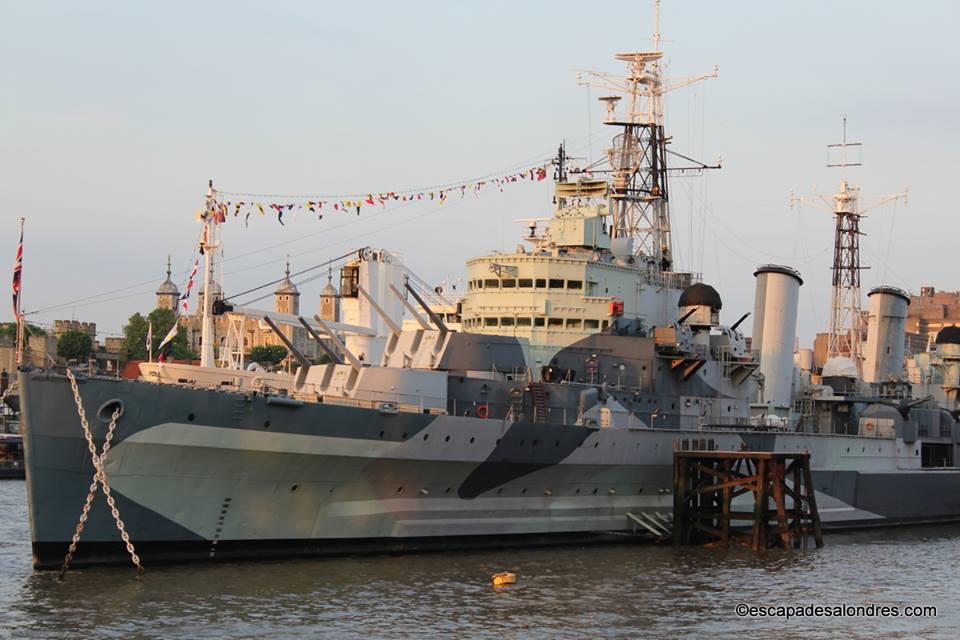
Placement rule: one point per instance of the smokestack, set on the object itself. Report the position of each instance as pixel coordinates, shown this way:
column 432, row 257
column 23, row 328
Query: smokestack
column 883, row 357
column 774, row 330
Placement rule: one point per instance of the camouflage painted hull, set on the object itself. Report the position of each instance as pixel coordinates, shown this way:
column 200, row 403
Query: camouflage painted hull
column 211, row 475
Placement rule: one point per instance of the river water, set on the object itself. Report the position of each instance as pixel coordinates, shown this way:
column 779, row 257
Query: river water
column 630, row 590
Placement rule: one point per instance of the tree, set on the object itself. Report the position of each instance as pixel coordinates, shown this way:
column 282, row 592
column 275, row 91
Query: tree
column 9, row 330
column 268, row 354
column 74, row 345
column 135, row 335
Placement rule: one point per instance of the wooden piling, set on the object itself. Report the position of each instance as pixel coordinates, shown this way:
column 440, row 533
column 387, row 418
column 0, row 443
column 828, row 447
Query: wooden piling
column 707, row 482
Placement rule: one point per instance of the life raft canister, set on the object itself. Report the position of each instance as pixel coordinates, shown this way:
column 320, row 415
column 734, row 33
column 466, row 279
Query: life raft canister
column 483, row 411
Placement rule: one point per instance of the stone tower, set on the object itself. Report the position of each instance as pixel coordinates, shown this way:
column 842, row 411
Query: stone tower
column 287, row 297
column 168, row 294
column 330, row 301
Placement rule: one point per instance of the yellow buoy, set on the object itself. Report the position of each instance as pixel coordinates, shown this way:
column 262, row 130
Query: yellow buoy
column 503, row 579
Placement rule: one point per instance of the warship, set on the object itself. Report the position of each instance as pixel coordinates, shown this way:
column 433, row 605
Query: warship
column 544, row 407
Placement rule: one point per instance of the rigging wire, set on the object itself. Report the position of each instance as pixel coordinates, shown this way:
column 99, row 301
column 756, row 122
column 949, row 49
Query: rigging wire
column 301, row 272
column 94, row 299
column 456, row 183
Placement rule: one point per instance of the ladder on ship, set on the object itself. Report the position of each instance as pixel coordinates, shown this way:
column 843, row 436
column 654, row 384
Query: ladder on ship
column 539, row 394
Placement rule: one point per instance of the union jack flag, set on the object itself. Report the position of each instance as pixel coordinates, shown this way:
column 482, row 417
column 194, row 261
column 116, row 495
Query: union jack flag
column 17, row 271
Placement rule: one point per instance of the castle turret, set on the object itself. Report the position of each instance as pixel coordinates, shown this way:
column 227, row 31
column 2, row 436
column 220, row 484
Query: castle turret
column 167, row 293
column 330, row 301
column 287, row 297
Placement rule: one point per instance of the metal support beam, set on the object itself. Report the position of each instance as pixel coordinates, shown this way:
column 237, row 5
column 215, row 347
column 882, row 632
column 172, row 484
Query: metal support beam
column 380, row 312
column 352, row 359
column 433, row 316
column 323, row 345
column 409, row 307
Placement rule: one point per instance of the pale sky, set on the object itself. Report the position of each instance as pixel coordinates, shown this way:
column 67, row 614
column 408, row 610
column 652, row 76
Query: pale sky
column 114, row 115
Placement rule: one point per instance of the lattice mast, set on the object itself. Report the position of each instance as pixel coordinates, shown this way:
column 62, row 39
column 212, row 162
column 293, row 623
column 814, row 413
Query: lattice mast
column 845, row 337
column 639, row 194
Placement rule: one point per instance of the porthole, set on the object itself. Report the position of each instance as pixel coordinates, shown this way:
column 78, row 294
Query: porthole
column 498, row 440
column 399, row 490
column 500, row 490
column 594, row 491
column 404, row 436
column 472, row 440
column 448, row 490
column 266, row 424
column 191, row 417
column 447, row 439
column 425, row 436
column 577, row 491
column 557, row 443
column 294, row 488
column 381, row 434
column 523, row 491
column 596, row 444
column 534, row 443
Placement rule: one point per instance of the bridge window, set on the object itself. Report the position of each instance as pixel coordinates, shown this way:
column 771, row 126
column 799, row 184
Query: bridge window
column 556, row 283
column 525, row 283
column 591, row 324
column 574, row 284
column 573, row 323
column 523, row 322
column 508, row 283
column 491, row 283
column 555, row 322
column 538, row 322
column 541, row 283
column 490, row 322
column 506, row 322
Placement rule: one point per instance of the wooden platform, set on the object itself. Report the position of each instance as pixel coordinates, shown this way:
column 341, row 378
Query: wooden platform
column 784, row 509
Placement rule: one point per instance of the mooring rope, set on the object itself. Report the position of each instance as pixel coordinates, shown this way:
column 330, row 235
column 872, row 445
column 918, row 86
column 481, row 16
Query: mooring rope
column 99, row 478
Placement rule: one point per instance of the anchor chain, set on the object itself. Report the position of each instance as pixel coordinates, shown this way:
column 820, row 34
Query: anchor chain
column 99, row 478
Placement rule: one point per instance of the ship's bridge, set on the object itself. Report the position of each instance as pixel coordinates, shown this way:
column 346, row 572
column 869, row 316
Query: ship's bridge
column 575, row 280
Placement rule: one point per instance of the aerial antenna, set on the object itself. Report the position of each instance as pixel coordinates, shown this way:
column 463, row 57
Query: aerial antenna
column 637, row 157
column 846, row 333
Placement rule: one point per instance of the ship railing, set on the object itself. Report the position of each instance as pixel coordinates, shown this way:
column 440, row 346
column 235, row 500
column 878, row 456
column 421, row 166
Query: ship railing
column 672, row 279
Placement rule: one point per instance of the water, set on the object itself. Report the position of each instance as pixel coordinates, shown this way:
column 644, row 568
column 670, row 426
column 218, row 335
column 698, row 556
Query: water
column 565, row 592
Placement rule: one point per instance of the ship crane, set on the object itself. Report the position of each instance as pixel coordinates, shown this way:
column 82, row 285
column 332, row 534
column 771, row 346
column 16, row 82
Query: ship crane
column 845, row 334
column 638, row 182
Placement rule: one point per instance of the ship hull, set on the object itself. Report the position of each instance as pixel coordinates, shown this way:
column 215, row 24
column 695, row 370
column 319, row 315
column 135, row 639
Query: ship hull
column 212, row 475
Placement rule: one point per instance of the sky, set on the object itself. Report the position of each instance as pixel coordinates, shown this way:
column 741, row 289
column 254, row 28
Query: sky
column 113, row 116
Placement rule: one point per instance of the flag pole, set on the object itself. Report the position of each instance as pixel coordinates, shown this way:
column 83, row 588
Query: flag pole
column 17, row 302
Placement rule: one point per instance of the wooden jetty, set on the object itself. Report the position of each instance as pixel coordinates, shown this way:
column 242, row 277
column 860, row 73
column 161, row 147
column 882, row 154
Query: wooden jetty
column 706, row 483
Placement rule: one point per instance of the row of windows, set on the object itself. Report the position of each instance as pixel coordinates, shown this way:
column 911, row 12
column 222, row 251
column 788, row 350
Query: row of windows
column 539, row 321
column 525, row 283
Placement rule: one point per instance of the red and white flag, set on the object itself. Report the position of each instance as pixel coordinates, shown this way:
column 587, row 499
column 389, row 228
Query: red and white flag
column 17, row 272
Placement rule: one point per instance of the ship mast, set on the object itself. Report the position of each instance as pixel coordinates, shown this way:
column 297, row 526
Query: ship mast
column 639, row 195
column 844, row 338
column 210, row 244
